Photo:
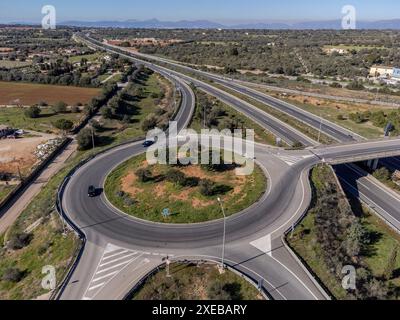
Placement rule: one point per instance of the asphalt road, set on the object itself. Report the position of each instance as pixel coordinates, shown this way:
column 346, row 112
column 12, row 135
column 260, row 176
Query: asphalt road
column 254, row 243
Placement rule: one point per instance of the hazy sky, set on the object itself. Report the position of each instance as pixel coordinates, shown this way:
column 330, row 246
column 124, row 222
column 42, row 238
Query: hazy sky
column 215, row 10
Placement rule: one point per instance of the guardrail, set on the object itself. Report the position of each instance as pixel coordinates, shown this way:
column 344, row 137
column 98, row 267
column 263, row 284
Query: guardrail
column 381, row 155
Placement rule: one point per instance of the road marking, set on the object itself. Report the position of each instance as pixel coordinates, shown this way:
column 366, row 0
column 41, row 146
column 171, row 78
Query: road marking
column 264, row 244
column 118, row 259
column 105, row 276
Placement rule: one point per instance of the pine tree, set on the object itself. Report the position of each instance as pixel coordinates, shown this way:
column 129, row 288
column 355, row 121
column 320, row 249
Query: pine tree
column 391, row 265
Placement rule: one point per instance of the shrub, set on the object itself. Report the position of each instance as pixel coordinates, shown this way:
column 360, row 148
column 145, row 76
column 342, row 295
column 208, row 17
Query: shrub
column 33, row 112
column 206, row 187
column 13, row 275
column 20, row 240
column 60, row 107
column 382, row 174
column 106, row 112
column 149, row 123
column 144, row 175
column 64, row 125
column 84, row 139
column 175, row 176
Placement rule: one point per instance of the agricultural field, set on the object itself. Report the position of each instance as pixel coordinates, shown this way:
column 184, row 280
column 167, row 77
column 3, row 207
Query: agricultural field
column 89, row 57
column 7, row 64
column 196, row 282
column 29, row 94
column 189, row 192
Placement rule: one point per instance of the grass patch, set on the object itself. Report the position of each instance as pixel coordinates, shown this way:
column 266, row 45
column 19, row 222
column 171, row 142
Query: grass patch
column 331, row 111
column 89, row 57
column 192, row 282
column 15, row 118
column 5, row 191
column 186, row 204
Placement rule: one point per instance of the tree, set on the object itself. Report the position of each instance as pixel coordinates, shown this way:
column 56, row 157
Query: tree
column 144, row 175
column 64, row 125
column 206, row 187
column 60, row 107
column 391, row 264
column 106, row 112
column 33, row 112
column 149, row 123
column 84, row 139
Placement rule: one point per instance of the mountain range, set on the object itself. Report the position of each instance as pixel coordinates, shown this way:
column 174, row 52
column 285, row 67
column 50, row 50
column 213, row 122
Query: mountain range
column 205, row 24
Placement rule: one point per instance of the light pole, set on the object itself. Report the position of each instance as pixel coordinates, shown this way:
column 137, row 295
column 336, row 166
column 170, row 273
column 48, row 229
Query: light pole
column 223, row 241
column 320, row 128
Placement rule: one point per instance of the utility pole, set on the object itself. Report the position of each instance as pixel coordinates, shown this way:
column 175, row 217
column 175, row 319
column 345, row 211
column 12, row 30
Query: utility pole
column 224, row 235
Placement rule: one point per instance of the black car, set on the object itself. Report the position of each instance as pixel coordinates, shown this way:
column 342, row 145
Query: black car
column 92, row 192
column 148, row 143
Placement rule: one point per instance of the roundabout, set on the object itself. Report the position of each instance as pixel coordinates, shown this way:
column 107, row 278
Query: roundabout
column 181, row 194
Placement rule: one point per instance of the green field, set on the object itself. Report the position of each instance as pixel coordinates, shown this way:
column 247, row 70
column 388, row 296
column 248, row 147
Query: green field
column 186, row 204
column 192, row 282
column 15, row 118
column 89, row 57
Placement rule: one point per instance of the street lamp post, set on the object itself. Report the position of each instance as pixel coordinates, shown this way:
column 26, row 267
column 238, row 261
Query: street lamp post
column 224, row 235
column 320, row 128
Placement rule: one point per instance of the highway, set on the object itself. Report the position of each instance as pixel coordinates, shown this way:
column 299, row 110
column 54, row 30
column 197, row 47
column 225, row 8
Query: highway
column 120, row 249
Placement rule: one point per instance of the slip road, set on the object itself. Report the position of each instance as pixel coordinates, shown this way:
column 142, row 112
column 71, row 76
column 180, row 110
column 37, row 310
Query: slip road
column 201, row 309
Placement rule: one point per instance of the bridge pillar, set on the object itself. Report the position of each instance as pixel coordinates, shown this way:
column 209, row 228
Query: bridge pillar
column 375, row 164
column 369, row 163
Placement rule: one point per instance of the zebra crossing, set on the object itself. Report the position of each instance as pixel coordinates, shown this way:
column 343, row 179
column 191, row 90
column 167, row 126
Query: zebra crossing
column 292, row 160
column 113, row 261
